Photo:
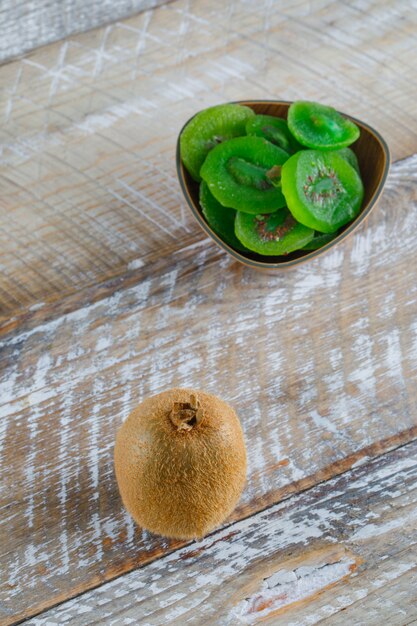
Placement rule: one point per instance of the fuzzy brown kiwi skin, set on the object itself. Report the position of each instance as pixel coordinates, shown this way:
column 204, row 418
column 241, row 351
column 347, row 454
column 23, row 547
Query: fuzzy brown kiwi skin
column 180, row 482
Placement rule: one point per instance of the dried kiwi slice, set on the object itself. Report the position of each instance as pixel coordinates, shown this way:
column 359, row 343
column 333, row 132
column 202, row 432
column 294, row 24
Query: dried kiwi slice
column 350, row 157
column 209, row 128
column 242, row 173
column 319, row 240
column 272, row 234
column 220, row 218
column 322, row 190
column 321, row 127
column 275, row 130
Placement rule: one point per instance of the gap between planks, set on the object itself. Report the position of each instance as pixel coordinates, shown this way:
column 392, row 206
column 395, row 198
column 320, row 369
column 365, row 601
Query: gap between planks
column 364, row 458
column 101, row 94
column 44, row 312
column 183, row 257
column 200, row 260
column 315, row 543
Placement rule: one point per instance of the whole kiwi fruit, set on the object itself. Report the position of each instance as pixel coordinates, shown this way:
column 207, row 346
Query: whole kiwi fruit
column 180, row 462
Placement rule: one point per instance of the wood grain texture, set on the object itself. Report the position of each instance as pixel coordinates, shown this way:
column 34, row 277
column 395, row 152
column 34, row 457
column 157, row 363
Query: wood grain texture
column 28, row 24
column 344, row 552
column 89, row 124
column 320, row 364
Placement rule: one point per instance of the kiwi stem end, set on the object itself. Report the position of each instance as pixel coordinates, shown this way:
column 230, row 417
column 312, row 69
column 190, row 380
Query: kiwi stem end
column 186, row 415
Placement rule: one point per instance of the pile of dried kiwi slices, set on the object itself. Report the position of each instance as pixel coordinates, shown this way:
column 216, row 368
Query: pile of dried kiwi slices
column 273, row 186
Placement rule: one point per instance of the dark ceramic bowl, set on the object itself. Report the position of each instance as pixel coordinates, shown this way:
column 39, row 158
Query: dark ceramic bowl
column 374, row 159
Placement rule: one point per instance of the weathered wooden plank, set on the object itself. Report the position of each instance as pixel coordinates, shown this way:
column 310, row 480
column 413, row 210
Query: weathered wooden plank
column 319, row 363
column 28, row 25
column 344, row 552
column 89, row 124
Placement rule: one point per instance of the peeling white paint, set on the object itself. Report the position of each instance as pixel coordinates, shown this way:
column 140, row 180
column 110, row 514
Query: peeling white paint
column 373, row 530
column 206, row 568
column 274, row 596
column 135, row 264
column 105, row 357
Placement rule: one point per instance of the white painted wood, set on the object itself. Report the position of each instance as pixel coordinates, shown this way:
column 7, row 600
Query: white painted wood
column 88, row 125
column 343, row 552
column 108, row 291
column 28, row 24
column 320, row 364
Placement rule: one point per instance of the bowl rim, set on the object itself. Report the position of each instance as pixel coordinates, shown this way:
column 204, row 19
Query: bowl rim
column 266, row 265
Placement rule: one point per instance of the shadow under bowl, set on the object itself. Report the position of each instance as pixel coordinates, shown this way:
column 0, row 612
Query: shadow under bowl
column 374, row 160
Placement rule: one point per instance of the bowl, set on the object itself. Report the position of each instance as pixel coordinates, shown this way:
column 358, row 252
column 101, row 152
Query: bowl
column 374, row 160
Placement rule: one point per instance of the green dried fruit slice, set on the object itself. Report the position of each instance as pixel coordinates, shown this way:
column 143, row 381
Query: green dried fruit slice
column 209, row 128
column 319, row 240
column 272, row 234
column 220, row 218
column 321, row 127
column 275, row 130
column 322, row 190
column 350, row 157
column 243, row 174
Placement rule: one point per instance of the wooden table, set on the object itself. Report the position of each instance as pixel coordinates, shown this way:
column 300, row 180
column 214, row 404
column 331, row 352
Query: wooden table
column 110, row 292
